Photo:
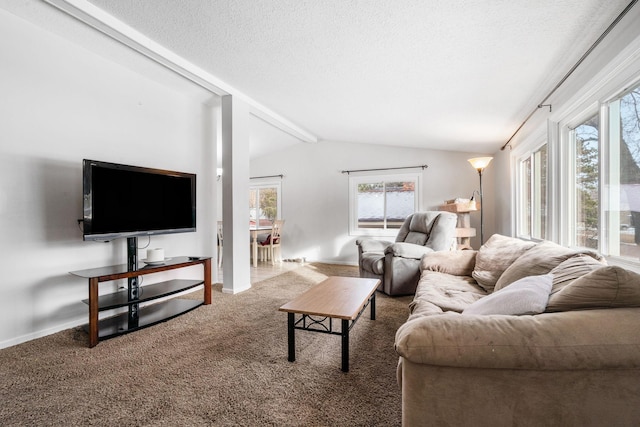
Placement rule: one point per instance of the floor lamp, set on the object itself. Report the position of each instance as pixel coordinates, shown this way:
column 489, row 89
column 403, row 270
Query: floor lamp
column 480, row 163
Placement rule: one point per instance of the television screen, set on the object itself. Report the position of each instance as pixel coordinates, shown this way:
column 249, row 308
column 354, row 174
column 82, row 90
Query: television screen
column 127, row 201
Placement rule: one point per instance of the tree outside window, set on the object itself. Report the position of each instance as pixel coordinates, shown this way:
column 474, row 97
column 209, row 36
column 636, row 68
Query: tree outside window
column 586, row 137
column 622, row 232
column 264, row 204
column 626, row 117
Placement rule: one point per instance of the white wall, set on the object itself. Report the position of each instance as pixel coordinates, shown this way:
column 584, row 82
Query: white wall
column 501, row 193
column 61, row 103
column 315, row 198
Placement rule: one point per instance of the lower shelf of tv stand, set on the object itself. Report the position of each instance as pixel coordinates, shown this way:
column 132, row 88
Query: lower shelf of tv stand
column 149, row 315
column 147, row 293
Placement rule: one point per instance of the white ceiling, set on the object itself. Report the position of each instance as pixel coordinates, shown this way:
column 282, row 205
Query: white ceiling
column 443, row 74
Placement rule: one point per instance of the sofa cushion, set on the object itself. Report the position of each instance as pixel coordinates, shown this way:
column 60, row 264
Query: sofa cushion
column 440, row 292
column 458, row 263
column 538, row 260
column 528, row 295
column 606, row 287
column 495, row 256
column 574, row 268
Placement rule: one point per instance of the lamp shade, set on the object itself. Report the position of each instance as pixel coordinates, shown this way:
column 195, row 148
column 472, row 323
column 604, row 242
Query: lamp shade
column 480, row 162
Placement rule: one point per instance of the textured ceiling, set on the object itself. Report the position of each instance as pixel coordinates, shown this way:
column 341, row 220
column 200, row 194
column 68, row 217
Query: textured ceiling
column 443, row 74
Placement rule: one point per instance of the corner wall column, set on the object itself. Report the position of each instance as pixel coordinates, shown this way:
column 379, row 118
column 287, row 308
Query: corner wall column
column 235, row 194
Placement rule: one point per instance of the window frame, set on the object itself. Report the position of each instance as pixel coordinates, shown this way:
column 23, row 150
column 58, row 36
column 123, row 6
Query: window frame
column 570, row 173
column 610, row 170
column 523, row 203
column 355, row 180
column 263, row 184
column 526, row 151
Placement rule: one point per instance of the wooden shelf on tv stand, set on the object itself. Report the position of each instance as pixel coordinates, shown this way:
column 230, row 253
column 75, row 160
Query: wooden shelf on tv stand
column 140, row 317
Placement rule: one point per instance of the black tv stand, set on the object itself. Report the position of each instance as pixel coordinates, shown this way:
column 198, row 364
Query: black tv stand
column 138, row 317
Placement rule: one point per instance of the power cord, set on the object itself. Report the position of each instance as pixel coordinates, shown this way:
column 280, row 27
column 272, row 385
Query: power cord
column 148, row 243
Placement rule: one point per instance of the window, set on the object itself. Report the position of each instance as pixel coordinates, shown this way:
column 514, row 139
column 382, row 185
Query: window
column 585, row 138
column 532, row 203
column 624, row 175
column 264, row 203
column 380, row 204
column 524, row 193
column 606, row 194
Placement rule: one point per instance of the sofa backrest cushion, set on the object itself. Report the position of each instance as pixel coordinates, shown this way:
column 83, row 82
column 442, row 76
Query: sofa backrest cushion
column 495, row 256
column 416, row 227
column 433, row 229
column 443, row 232
column 606, row 287
column 574, row 268
column 540, row 259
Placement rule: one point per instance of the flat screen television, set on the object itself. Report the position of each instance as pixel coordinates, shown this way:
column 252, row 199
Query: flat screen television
column 128, row 201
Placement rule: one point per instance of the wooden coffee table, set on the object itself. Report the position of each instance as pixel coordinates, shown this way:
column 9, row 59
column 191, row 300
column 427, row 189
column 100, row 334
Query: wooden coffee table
column 343, row 298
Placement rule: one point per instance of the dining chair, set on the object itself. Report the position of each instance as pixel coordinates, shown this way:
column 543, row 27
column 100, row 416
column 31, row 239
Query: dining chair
column 268, row 248
column 219, row 243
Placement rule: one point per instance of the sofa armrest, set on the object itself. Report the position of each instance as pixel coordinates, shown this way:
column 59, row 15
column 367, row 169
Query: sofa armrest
column 457, row 263
column 571, row 340
column 407, row 250
column 372, row 245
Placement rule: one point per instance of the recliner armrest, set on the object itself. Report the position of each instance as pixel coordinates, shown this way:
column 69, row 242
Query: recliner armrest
column 407, row 250
column 372, row 245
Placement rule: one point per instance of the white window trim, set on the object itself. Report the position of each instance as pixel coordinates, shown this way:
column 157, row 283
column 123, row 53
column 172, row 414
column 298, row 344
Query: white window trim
column 523, row 151
column 518, row 195
column 260, row 183
column 567, row 222
column 354, row 180
column 520, row 199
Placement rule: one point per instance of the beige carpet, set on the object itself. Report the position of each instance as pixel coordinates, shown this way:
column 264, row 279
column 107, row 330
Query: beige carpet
column 223, row 364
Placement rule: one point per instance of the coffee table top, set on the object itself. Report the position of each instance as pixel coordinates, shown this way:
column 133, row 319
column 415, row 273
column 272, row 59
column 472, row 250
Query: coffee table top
column 336, row 297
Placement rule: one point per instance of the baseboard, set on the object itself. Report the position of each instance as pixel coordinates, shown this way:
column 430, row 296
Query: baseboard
column 43, row 333
column 235, row 291
column 334, row 262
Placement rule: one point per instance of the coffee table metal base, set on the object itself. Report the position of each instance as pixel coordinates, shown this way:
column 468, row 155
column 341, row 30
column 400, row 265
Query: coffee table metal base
column 315, row 324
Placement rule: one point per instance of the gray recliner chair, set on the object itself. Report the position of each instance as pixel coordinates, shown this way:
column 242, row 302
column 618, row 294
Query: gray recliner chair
column 397, row 265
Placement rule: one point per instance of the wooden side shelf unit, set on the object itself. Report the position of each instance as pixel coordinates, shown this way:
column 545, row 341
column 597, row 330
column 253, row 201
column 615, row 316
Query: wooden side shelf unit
column 140, row 317
column 464, row 231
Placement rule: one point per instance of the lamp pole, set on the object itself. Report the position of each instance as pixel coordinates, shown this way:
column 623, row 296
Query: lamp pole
column 479, row 163
column 481, row 209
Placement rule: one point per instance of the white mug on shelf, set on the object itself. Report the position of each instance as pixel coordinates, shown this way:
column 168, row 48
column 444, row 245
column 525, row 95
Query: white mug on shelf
column 155, row 255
